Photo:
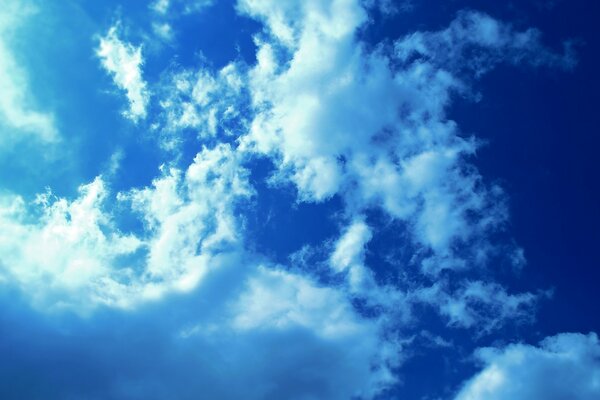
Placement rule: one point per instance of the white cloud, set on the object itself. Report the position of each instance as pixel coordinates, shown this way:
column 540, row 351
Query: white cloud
column 371, row 126
column 197, row 5
column 349, row 255
column 349, row 250
column 205, row 102
column 565, row 366
column 165, row 7
column 191, row 217
column 123, row 62
column 164, row 18
column 480, row 305
column 487, row 42
column 20, row 116
column 71, row 253
column 276, row 300
column 376, row 134
column 60, row 251
column 163, row 30
column 160, row 6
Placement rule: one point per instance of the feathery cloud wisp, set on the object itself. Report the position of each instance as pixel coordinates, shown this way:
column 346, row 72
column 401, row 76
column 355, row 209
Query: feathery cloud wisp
column 123, row 62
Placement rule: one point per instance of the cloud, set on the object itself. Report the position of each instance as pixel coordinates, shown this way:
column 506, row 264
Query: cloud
column 371, row 126
column 58, row 249
column 190, row 217
column 20, row 116
column 565, row 366
column 165, row 7
column 123, row 62
column 160, row 6
column 349, row 255
column 476, row 42
column 163, row 30
column 166, row 12
column 280, row 301
column 71, row 253
column 211, row 104
column 481, row 305
column 191, row 346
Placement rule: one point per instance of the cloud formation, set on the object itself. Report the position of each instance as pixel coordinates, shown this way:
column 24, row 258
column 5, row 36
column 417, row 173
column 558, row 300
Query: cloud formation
column 209, row 104
column 166, row 12
column 189, row 346
column 349, row 255
column 72, row 253
column 565, row 366
column 123, row 61
column 475, row 43
column 20, row 116
column 371, row 126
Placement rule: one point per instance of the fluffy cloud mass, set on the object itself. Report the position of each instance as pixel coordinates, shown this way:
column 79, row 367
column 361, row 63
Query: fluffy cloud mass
column 73, row 254
column 371, row 126
column 565, row 366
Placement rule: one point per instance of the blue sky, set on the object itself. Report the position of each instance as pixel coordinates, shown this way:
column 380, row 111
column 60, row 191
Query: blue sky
column 320, row 199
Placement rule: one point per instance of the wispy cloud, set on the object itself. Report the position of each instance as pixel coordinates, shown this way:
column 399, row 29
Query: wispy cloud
column 123, row 61
column 20, row 116
column 166, row 7
column 372, row 126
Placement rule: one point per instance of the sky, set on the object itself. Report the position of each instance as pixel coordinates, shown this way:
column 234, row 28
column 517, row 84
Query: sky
column 299, row 199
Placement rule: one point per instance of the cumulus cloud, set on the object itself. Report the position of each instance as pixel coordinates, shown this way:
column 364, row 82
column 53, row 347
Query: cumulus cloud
column 275, row 300
column 58, row 249
column 190, row 217
column 20, row 116
column 123, row 61
column 371, row 126
column 191, row 346
column 163, row 30
column 565, row 366
column 160, row 6
column 71, row 253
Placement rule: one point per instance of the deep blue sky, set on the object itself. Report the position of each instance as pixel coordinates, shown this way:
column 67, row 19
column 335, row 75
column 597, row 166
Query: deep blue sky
column 62, row 338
